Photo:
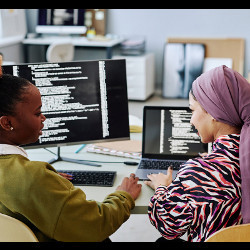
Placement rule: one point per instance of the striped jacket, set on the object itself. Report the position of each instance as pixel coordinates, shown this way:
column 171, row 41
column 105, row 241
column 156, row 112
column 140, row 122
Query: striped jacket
column 204, row 197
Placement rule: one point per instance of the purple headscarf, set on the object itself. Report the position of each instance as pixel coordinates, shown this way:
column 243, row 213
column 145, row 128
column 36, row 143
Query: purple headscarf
column 225, row 95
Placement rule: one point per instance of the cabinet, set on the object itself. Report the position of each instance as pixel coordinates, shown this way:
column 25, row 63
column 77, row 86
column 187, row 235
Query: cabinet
column 140, row 75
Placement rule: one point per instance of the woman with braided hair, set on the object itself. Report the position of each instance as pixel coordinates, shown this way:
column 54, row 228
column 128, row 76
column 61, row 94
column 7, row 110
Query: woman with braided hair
column 34, row 192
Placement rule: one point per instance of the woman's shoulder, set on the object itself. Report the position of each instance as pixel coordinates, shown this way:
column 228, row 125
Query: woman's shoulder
column 25, row 163
column 212, row 169
column 37, row 172
column 194, row 164
column 197, row 168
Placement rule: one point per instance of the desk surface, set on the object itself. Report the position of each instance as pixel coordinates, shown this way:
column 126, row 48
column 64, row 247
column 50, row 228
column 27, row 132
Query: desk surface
column 77, row 41
column 96, row 193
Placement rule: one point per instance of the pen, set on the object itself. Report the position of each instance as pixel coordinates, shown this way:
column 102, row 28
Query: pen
column 79, row 149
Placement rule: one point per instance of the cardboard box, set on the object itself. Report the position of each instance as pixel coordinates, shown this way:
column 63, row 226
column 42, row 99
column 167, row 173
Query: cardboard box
column 220, row 48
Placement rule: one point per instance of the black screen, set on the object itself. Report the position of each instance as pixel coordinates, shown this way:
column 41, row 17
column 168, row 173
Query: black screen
column 83, row 101
column 67, row 17
column 168, row 133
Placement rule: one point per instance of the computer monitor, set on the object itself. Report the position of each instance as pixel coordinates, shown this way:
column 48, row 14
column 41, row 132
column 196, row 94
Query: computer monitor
column 61, row 21
column 83, row 101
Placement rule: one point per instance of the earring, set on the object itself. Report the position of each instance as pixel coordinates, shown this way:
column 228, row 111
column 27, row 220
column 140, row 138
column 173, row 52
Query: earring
column 11, row 128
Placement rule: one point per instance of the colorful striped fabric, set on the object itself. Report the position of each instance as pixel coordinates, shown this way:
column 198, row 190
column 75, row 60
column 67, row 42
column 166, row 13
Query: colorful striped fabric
column 204, row 197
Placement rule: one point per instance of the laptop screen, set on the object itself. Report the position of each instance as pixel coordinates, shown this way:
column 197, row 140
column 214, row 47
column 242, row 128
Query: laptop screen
column 168, row 134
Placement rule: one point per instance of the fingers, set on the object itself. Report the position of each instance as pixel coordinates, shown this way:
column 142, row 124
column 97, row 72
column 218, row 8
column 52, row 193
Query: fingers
column 66, row 176
column 149, row 183
column 132, row 175
column 159, row 179
column 170, row 171
column 130, row 185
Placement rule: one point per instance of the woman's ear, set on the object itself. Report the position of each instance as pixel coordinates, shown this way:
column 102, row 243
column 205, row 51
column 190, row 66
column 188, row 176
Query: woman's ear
column 5, row 123
column 212, row 118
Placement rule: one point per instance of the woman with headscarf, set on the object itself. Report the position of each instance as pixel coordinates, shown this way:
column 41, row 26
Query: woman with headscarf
column 210, row 192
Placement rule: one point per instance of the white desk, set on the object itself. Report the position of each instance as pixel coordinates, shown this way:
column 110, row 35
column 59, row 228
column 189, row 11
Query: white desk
column 97, row 193
column 77, row 41
column 8, row 41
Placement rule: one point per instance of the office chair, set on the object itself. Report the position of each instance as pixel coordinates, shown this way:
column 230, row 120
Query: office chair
column 60, row 52
column 13, row 230
column 238, row 233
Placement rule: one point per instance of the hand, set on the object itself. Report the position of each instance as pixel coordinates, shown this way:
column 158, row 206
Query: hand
column 156, row 180
column 66, row 176
column 131, row 186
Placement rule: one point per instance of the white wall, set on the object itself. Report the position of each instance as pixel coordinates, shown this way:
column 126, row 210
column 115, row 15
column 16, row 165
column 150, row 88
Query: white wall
column 159, row 24
column 12, row 31
column 13, row 53
column 156, row 25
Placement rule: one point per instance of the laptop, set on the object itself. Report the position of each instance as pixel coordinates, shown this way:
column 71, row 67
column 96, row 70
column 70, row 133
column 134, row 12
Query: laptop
column 168, row 138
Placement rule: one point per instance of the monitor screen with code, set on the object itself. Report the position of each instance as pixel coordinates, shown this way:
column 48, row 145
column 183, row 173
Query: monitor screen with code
column 83, row 101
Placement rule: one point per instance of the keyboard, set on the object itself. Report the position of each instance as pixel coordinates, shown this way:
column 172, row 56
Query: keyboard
column 159, row 164
column 91, row 178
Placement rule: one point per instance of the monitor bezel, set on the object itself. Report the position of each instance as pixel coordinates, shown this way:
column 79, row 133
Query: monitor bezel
column 45, row 145
column 60, row 29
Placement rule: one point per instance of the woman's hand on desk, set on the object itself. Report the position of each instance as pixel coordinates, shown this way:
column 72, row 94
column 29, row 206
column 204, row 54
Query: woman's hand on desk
column 67, row 176
column 131, row 186
column 156, row 180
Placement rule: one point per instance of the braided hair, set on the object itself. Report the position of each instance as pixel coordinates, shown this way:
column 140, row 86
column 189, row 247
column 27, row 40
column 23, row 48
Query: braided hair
column 12, row 89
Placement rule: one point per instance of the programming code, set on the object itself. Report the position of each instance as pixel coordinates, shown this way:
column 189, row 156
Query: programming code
column 79, row 100
column 179, row 138
column 169, row 132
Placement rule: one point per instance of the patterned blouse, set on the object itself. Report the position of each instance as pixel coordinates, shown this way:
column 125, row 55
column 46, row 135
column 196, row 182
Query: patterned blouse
column 204, row 197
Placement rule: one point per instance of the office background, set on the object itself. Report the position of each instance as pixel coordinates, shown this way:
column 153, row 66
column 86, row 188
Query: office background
column 156, row 26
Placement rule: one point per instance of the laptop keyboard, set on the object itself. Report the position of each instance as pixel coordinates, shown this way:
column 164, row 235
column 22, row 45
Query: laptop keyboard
column 91, row 178
column 159, row 164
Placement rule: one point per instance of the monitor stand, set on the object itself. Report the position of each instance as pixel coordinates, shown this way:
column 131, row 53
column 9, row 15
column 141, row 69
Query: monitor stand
column 60, row 158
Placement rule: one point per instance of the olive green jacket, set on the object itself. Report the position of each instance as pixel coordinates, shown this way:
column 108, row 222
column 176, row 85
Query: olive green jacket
column 33, row 192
